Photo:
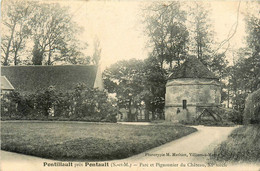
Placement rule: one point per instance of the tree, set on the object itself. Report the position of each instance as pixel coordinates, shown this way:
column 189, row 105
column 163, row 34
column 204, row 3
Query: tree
column 125, row 79
column 245, row 74
column 253, row 41
column 53, row 29
column 37, row 54
column 136, row 82
column 16, row 28
column 97, row 52
column 155, row 79
column 72, row 54
column 201, row 33
column 48, row 26
column 165, row 26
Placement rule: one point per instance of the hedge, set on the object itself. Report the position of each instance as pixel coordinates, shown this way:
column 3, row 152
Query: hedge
column 252, row 108
column 83, row 103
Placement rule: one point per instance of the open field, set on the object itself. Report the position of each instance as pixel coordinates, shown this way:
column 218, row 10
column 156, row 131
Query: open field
column 242, row 145
column 85, row 141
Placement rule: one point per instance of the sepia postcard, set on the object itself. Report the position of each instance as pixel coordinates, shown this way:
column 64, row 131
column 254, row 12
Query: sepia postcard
column 130, row 85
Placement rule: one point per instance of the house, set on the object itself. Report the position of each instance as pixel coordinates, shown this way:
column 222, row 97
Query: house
column 30, row 79
column 190, row 91
column 6, row 86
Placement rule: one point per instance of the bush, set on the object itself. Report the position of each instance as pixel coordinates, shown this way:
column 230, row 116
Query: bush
column 83, row 103
column 15, row 104
column 252, row 108
column 239, row 102
column 242, row 145
column 229, row 115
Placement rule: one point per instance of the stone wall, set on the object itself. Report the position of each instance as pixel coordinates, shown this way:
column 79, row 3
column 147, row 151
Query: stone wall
column 196, row 93
column 171, row 113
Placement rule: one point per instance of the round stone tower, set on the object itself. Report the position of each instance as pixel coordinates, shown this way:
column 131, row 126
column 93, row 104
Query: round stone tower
column 189, row 90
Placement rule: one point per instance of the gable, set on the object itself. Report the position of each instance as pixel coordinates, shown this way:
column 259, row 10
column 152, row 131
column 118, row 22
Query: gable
column 29, row 79
column 5, row 84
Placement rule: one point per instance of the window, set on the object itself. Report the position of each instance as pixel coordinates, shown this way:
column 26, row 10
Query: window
column 184, row 104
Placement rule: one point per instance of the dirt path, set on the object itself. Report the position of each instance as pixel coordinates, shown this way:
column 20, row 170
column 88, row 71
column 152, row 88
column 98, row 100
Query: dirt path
column 200, row 143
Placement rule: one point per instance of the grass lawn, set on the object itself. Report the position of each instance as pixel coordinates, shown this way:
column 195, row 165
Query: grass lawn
column 242, row 145
column 85, row 141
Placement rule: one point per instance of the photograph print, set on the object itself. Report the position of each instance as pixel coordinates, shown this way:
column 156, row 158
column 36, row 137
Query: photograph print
column 130, row 85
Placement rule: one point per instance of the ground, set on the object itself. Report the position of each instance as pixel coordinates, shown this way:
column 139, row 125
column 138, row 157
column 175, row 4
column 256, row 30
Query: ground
column 85, row 141
column 201, row 142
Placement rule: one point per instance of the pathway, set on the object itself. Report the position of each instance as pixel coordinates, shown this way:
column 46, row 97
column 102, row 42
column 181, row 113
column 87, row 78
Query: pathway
column 191, row 150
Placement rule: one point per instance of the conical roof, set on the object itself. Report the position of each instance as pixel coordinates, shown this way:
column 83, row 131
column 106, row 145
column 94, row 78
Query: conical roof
column 192, row 68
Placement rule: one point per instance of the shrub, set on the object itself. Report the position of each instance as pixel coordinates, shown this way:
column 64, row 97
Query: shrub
column 83, row 103
column 239, row 102
column 45, row 100
column 5, row 105
column 241, row 146
column 92, row 102
column 229, row 115
column 252, row 108
column 15, row 104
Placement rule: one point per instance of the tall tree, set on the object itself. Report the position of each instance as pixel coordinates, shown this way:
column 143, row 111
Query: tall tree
column 16, row 28
column 244, row 76
column 53, row 29
column 201, row 32
column 154, row 82
column 165, row 26
column 37, row 54
column 97, row 52
column 125, row 79
column 48, row 26
column 253, row 41
column 136, row 82
column 202, row 40
column 72, row 54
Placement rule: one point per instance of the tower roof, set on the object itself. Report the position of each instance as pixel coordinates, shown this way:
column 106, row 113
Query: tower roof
column 192, row 68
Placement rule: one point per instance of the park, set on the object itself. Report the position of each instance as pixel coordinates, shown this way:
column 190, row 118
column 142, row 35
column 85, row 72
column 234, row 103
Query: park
column 175, row 86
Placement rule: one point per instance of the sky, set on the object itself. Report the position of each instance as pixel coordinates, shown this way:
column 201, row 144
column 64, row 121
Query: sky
column 119, row 27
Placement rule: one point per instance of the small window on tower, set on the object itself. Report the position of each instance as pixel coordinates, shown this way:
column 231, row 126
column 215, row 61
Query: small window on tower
column 184, row 104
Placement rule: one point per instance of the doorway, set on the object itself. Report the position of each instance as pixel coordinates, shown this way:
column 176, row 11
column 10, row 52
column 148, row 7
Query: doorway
column 184, row 104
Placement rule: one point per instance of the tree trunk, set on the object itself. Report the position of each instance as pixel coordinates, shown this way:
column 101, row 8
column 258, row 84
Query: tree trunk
column 15, row 58
column 228, row 99
column 198, row 51
column 129, row 117
column 49, row 56
column 146, row 117
column 153, row 114
column 8, row 45
column 161, row 63
column 16, row 52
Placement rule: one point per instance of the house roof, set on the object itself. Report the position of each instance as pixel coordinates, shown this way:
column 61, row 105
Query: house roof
column 5, row 84
column 192, row 68
column 29, row 79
